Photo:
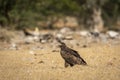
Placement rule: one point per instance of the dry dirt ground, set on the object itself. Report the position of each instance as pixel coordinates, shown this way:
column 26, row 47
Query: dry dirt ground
column 43, row 61
column 44, row 64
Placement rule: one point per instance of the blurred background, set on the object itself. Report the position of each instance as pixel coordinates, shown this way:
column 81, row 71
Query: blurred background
column 41, row 20
column 28, row 32
column 52, row 14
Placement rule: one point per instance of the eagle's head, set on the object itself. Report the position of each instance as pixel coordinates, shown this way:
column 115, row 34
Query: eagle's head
column 62, row 44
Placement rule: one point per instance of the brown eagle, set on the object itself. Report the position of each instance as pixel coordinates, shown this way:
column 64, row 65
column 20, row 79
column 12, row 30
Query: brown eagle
column 70, row 56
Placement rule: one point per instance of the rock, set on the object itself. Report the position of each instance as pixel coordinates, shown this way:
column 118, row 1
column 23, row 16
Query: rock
column 13, row 46
column 113, row 34
column 103, row 37
column 31, row 52
column 46, row 38
column 36, row 38
column 60, row 36
column 29, row 32
column 95, row 34
column 65, row 30
column 84, row 46
column 55, row 50
column 41, row 62
column 68, row 37
column 84, row 33
column 29, row 39
column 43, row 41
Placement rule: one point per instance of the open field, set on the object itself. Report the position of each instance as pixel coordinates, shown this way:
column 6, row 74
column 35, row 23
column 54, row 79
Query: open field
column 25, row 64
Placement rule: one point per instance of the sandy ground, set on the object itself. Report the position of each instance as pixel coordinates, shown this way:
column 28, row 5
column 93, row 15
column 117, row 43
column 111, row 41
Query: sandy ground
column 103, row 64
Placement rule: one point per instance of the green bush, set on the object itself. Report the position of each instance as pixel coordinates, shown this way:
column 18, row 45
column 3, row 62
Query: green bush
column 25, row 13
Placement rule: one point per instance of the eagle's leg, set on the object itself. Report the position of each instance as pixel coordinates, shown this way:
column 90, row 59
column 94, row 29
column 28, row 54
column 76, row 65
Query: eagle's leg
column 66, row 64
column 71, row 65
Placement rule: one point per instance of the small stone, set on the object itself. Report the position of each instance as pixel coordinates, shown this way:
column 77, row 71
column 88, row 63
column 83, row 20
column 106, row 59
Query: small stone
column 84, row 33
column 43, row 41
column 64, row 30
column 113, row 34
column 36, row 38
column 31, row 52
column 69, row 37
column 29, row 39
column 14, row 46
column 35, row 54
column 60, row 36
column 110, row 63
column 84, row 46
column 53, row 61
column 55, row 50
column 41, row 62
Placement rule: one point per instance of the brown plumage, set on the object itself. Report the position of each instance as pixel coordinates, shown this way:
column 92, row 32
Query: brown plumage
column 70, row 56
